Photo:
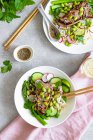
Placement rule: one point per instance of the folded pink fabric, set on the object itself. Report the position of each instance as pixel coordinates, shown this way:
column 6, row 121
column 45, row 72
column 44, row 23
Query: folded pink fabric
column 72, row 129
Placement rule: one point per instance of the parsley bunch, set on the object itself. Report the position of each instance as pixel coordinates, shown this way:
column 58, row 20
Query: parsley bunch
column 9, row 8
column 7, row 66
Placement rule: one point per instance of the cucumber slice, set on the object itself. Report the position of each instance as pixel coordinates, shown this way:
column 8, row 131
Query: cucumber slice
column 65, row 82
column 55, row 80
column 80, row 32
column 65, row 89
column 36, row 76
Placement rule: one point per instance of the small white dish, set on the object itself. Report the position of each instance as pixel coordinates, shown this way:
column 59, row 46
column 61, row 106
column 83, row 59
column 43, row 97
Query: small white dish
column 21, row 47
column 26, row 114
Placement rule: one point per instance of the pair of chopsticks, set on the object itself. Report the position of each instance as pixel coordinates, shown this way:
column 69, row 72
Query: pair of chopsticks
column 22, row 27
column 79, row 92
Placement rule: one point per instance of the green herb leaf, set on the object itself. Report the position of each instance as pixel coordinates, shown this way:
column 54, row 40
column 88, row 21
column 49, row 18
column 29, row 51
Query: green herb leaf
column 7, row 66
column 9, row 8
column 88, row 22
column 58, row 36
column 28, row 104
column 25, row 88
column 20, row 4
column 39, row 85
column 57, row 84
column 6, row 62
column 1, row 14
column 92, row 10
column 57, row 115
column 64, row 98
column 4, row 69
column 80, row 38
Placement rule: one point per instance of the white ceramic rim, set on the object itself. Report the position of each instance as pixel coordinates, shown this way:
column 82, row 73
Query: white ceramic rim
column 20, row 47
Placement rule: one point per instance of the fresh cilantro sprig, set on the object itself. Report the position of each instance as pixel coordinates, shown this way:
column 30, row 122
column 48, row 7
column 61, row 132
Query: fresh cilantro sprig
column 7, row 66
column 64, row 98
column 9, row 8
column 91, row 4
column 80, row 38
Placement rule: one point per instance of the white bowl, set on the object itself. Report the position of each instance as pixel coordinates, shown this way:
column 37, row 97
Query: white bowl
column 75, row 48
column 20, row 47
column 26, row 115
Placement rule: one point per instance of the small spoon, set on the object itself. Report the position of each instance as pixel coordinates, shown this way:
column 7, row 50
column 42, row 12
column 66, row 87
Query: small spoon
column 54, row 33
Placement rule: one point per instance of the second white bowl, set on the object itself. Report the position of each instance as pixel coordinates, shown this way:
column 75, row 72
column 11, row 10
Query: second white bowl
column 26, row 114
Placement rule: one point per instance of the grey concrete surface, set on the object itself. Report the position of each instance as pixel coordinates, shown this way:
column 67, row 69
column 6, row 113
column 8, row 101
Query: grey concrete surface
column 44, row 54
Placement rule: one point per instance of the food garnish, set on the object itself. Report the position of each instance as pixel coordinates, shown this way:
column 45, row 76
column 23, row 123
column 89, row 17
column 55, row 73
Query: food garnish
column 44, row 95
column 7, row 66
column 9, row 8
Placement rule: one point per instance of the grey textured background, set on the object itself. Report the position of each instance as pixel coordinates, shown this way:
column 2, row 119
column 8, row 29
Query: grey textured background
column 44, row 54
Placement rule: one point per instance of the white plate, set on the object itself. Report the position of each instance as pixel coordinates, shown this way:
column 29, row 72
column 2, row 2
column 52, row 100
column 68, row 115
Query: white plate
column 26, row 115
column 74, row 49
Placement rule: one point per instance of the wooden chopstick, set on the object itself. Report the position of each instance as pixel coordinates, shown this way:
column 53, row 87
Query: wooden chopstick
column 86, row 92
column 22, row 26
column 79, row 92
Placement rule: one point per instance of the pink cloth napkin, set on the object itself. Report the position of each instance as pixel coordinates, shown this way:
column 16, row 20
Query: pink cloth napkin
column 72, row 129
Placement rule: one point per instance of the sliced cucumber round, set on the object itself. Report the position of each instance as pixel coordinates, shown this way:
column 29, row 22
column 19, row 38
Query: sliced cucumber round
column 67, row 83
column 36, row 76
column 55, row 80
column 65, row 89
